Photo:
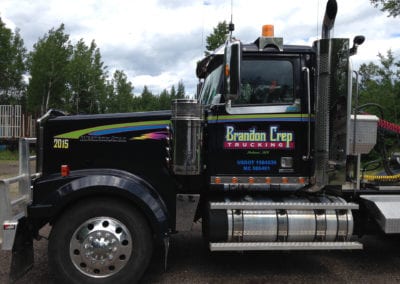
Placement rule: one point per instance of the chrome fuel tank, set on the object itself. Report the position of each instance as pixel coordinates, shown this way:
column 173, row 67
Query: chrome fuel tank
column 300, row 220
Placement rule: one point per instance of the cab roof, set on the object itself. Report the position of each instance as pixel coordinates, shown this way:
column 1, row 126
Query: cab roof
column 208, row 63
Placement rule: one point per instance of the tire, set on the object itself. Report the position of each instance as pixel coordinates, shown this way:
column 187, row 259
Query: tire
column 100, row 241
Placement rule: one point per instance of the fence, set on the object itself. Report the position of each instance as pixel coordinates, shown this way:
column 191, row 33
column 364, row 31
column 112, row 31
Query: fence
column 13, row 202
column 14, row 124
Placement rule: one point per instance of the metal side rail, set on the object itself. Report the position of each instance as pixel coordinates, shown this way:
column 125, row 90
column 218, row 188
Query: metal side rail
column 284, row 246
column 283, row 206
column 14, row 200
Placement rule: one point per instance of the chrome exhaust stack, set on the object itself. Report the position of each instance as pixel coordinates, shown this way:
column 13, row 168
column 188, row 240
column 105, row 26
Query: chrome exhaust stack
column 329, row 18
column 332, row 104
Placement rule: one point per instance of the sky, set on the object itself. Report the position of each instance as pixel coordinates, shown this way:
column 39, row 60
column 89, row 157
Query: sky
column 158, row 42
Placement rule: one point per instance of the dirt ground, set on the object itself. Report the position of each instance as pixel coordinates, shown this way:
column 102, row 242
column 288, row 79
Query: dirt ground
column 8, row 168
column 190, row 262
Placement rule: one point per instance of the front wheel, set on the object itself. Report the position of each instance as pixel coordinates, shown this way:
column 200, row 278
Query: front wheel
column 100, row 241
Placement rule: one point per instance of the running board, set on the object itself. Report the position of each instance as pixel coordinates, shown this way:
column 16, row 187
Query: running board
column 283, row 206
column 264, row 246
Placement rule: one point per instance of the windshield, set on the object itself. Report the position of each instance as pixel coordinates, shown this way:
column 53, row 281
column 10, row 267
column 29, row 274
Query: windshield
column 210, row 87
column 266, row 82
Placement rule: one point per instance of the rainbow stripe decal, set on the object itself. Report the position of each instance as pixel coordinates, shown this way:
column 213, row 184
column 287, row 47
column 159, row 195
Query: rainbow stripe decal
column 119, row 128
column 152, row 136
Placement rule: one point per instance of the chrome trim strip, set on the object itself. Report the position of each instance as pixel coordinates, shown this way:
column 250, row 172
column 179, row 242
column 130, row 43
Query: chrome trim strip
column 283, row 206
column 285, row 246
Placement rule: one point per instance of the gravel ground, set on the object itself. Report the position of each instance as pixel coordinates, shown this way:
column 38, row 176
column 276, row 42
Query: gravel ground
column 8, row 168
column 190, row 262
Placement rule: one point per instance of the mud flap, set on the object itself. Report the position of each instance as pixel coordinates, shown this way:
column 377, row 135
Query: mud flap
column 22, row 251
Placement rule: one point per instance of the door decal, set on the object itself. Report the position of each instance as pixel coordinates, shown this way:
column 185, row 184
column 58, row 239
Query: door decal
column 252, row 138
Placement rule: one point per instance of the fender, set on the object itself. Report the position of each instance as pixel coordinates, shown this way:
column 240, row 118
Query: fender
column 94, row 182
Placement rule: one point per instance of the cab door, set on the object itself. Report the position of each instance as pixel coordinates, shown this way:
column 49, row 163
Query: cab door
column 265, row 132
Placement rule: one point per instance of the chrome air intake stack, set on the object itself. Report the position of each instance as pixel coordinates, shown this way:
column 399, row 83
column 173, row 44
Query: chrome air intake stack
column 187, row 118
column 332, row 104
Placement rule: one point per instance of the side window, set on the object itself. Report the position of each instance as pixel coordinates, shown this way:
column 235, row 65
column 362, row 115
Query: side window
column 210, row 88
column 265, row 82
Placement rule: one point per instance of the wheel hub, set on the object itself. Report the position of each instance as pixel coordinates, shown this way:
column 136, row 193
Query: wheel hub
column 100, row 247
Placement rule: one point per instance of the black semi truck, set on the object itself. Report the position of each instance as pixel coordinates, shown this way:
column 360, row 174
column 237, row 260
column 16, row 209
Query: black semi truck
column 267, row 156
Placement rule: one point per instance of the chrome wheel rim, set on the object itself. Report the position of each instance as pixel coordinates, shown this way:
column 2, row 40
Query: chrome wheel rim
column 100, row 247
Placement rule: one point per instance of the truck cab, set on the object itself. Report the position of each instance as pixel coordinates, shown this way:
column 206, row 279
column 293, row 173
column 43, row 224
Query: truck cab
column 266, row 159
column 261, row 132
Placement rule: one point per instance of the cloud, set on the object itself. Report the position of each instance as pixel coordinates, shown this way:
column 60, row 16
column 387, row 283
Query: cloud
column 157, row 42
column 173, row 4
column 162, row 60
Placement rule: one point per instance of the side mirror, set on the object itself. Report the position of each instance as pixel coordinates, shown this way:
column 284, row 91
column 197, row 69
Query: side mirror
column 232, row 58
column 357, row 41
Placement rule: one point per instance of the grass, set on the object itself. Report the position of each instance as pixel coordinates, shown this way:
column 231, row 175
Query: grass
column 8, row 155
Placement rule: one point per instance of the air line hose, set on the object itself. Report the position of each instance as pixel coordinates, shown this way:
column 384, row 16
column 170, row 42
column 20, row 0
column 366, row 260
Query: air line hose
column 393, row 178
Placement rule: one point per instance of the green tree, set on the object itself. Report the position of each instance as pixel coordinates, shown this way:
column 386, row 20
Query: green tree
column 120, row 93
column 108, row 97
column 164, row 100
column 48, row 66
column 86, row 79
column 173, row 93
column 180, row 94
column 390, row 6
column 217, row 37
column 148, row 101
column 380, row 83
column 78, row 78
column 12, row 66
column 98, row 77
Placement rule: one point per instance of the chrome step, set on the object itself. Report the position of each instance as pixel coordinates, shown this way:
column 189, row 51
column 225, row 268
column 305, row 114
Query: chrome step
column 265, row 246
column 283, row 206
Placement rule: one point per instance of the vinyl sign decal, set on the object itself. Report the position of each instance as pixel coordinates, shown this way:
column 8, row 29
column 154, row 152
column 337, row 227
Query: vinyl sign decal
column 254, row 139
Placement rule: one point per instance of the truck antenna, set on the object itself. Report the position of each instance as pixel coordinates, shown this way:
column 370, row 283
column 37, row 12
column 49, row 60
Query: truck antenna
column 231, row 26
